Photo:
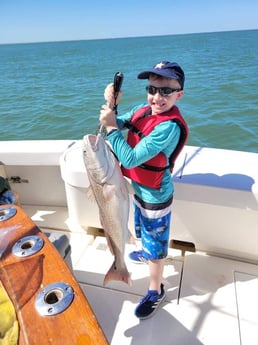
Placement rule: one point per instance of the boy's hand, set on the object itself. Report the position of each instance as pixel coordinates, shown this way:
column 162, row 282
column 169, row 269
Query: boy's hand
column 107, row 118
column 109, row 95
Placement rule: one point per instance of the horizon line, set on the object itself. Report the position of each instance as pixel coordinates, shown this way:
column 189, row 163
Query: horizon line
column 125, row 37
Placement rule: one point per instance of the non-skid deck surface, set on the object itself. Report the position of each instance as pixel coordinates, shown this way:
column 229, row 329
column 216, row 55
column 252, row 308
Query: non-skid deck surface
column 218, row 303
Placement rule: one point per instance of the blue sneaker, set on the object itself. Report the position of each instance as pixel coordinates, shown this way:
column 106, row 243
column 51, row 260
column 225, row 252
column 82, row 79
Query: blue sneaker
column 150, row 303
column 137, row 257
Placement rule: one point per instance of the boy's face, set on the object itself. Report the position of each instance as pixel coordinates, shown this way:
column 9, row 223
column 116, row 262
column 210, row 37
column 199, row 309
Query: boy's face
column 162, row 103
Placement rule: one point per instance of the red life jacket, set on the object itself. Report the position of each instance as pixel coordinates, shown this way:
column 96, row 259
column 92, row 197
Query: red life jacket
column 150, row 173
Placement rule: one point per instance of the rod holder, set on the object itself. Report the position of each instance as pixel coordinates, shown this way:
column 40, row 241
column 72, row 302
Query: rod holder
column 27, row 246
column 54, row 299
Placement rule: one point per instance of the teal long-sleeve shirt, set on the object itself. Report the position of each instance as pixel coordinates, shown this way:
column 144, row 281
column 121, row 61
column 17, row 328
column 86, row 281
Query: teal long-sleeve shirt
column 163, row 138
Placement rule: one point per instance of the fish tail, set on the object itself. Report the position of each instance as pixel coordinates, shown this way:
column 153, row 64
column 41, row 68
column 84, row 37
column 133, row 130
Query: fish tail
column 118, row 274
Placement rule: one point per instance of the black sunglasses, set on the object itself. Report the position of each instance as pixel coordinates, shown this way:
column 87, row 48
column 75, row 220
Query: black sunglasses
column 163, row 91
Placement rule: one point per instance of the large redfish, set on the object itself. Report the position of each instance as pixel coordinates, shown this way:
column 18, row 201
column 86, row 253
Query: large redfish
column 110, row 192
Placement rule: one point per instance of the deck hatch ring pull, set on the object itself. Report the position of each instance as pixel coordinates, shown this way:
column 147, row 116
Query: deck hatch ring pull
column 7, row 213
column 27, row 246
column 54, row 299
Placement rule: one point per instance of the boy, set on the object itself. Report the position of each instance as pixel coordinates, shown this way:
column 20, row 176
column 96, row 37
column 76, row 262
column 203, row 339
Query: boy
column 156, row 134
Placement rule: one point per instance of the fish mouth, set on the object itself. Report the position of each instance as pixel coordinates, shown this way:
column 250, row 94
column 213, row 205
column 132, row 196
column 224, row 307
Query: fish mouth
column 98, row 159
column 92, row 140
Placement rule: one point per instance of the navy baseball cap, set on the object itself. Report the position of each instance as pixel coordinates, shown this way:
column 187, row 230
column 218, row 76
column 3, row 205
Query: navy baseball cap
column 165, row 69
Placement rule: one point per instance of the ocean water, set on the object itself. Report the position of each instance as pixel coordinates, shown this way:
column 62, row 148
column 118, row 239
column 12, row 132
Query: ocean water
column 55, row 90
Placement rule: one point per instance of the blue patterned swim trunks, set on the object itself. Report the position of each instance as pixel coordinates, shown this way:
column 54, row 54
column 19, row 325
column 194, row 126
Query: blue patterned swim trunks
column 153, row 227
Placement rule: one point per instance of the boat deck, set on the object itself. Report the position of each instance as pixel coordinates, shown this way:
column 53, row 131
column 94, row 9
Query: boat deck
column 218, row 302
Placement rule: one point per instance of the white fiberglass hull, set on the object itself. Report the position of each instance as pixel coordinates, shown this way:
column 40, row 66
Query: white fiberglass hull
column 215, row 209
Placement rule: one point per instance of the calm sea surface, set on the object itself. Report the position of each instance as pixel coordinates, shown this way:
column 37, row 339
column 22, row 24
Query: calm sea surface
column 55, row 90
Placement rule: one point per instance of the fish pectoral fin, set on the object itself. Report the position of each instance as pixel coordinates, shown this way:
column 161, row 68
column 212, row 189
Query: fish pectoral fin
column 109, row 191
column 90, row 194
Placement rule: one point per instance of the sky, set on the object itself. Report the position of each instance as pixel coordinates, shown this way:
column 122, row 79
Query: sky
column 23, row 21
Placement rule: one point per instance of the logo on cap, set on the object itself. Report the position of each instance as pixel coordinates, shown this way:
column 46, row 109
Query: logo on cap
column 160, row 65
